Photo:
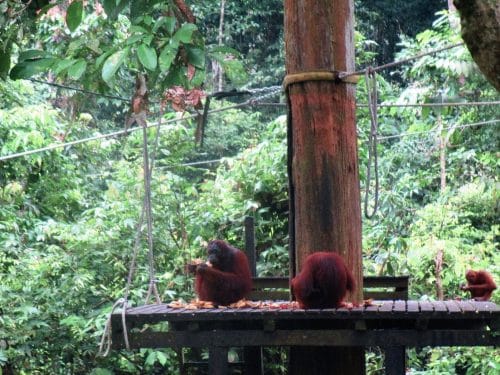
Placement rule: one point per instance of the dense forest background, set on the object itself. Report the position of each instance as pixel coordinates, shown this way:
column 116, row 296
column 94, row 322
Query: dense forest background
column 68, row 215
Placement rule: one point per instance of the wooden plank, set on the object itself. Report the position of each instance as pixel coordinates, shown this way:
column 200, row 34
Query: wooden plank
column 412, row 306
column 485, row 306
column 482, row 310
column 386, row 306
column 341, row 337
column 439, row 306
column 399, row 306
column 426, row 306
column 373, row 308
column 357, row 310
column 452, row 307
column 466, row 306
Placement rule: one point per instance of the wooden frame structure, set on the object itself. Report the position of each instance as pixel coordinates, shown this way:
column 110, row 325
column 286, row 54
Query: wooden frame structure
column 387, row 324
column 392, row 323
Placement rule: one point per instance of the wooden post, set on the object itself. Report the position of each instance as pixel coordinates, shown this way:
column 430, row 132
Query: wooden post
column 323, row 160
column 250, row 244
column 252, row 354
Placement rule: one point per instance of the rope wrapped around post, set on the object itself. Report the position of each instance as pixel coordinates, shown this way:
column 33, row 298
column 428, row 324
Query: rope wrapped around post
column 318, row 75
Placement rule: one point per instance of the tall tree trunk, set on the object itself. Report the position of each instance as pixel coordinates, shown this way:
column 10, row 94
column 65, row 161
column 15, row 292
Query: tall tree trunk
column 438, row 262
column 442, row 153
column 323, row 166
column 219, row 74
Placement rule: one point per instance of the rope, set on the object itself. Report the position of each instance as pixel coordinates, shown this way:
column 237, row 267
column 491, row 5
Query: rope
column 106, row 336
column 316, row 75
column 132, row 267
column 481, row 123
column 371, row 88
column 401, row 105
column 451, row 104
column 79, row 90
column 149, row 219
column 250, row 102
column 398, row 62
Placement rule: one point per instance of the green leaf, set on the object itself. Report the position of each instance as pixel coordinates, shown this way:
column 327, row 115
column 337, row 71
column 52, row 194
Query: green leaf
column 112, row 64
column 234, row 70
column 29, row 68
column 168, row 54
column 138, row 29
column 114, row 7
column 162, row 358
column 74, row 15
column 148, row 39
column 62, row 65
column 101, row 371
column 103, row 57
column 76, row 70
column 138, row 8
column 159, row 23
column 151, row 359
column 33, row 54
column 133, row 39
column 147, row 56
column 175, row 76
column 170, row 24
column 216, row 49
column 196, row 56
column 185, row 33
column 109, row 6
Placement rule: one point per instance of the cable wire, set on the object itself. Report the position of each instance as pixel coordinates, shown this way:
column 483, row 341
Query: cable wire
column 481, row 123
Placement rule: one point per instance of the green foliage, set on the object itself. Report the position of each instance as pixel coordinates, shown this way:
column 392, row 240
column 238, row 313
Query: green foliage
column 457, row 360
column 134, row 36
column 68, row 217
column 74, row 15
column 255, row 29
column 462, row 226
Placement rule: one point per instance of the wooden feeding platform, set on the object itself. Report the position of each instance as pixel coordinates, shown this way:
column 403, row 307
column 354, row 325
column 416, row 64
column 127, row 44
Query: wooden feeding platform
column 393, row 324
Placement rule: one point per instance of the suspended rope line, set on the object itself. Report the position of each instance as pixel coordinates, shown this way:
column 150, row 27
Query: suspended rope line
column 402, row 105
column 451, row 104
column 152, row 289
column 123, row 302
column 371, row 89
column 146, row 211
column 250, row 102
column 217, row 95
column 60, row 86
column 481, row 123
column 399, row 62
column 199, row 163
